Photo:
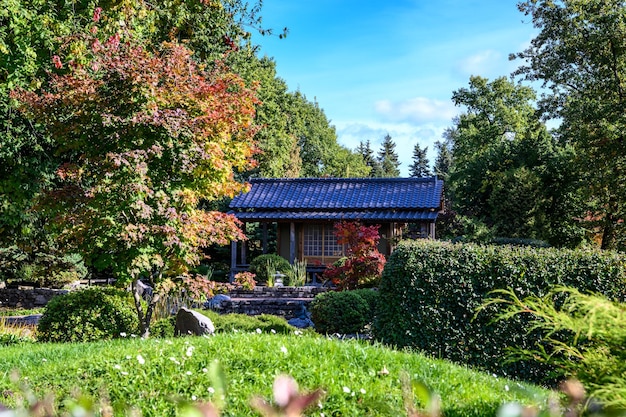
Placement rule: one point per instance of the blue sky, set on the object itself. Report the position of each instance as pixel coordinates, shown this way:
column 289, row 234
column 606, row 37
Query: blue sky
column 390, row 66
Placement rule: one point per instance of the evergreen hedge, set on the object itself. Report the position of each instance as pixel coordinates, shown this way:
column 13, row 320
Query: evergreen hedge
column 430, row 292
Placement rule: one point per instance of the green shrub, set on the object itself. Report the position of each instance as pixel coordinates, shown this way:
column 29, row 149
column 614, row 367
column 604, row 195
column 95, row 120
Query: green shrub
column 344, row 312
column 259, row 266
column 88, row 315
column 430, row 291
column 52, row 270
column 163, row 327
column 244, row 323
column 371, row 298
column 583, row 334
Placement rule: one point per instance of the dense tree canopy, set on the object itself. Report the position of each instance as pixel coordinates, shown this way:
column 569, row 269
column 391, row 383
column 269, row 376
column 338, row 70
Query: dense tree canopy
column 144, row 135
column 580, row 56
column 505, row 169
column 31, row 33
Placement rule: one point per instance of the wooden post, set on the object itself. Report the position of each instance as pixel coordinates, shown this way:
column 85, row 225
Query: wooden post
column 233, row 260
column 292, row 242
column 244, row 246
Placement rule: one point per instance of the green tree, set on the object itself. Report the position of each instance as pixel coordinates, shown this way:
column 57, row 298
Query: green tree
column 279, row 154
column 443, row 161
column 30, row 35
column 388, row 159
column 580, row 56
column 504, row 171
column 321, row 154
column 367, row 153
column 144, row 136
column 420, row 167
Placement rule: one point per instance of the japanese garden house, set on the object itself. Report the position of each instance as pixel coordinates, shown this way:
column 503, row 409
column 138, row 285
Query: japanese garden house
column 306, row 209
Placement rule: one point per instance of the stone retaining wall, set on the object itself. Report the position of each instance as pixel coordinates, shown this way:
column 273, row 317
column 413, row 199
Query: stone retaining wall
column 278, row 307
column 287, row 302
column 278, row 292
column 31, row 298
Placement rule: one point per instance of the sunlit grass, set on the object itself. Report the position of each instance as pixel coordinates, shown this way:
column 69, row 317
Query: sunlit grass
column 359, row 379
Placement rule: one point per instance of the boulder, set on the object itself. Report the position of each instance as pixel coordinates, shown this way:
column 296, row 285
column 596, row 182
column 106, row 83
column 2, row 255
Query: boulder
column 216, row 302
column 302, row 319
column 193, row 323
column 301, row 323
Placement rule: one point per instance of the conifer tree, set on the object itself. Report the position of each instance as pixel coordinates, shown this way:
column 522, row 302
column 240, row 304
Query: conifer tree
column 419, row 168
column 365, row 150
column 388, row 159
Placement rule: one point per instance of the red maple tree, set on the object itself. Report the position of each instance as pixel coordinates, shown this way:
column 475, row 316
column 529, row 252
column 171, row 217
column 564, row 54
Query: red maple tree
column 363, row 263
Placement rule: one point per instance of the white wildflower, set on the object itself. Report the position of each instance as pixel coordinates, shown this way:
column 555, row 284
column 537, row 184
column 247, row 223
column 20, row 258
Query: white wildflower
column 211, row 390
column 283, row 349
column 362, row 391
column 346, row 390
column 189, row 351
column 123, row 334
column 141, row 360
column 259, row 331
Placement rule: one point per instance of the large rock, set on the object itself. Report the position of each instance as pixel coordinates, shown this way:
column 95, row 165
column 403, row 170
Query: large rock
column 216, row 302
column 193, row 323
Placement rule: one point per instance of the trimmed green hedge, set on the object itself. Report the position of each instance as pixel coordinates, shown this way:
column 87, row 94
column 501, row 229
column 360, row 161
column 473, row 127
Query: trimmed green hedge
column 344, row 312
column 430, row 291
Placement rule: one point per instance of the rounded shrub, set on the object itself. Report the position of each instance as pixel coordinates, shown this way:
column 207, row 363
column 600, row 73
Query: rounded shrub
column 163, row 327
column 371, row 298
column 277, row 263
column 88, row 315
column 344, row 312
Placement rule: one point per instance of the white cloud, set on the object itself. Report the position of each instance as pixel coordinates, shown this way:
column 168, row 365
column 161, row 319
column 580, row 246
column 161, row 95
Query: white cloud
column 482, row 63
column 416, row 110
column 405, row 136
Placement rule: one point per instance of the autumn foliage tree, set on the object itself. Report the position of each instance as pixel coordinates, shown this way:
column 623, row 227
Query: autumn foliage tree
column 363, row 263
column 143, row 135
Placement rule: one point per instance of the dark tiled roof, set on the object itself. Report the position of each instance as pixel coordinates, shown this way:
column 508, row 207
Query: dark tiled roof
column 375, row 199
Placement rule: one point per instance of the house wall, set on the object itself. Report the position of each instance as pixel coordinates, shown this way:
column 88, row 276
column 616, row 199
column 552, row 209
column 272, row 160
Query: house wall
column 390, row 233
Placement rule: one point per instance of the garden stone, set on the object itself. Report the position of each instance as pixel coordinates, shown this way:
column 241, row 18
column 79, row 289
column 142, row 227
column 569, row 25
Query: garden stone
column 301, row 323
column 302, row 319
column 193, row 323
column 215, row 303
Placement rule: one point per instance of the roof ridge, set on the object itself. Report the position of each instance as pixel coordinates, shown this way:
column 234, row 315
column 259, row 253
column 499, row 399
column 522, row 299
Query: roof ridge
column 351, row 179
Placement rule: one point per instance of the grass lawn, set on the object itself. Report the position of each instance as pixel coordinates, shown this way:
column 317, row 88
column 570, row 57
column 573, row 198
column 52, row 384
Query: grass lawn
column 154, row 374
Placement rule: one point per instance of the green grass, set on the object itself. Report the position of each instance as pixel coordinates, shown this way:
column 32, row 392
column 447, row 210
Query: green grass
column 251, row 361
column 4, row 312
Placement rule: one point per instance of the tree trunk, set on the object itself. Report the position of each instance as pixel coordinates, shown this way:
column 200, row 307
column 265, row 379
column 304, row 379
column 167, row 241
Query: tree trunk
column 143, row 329
column 608, row 233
